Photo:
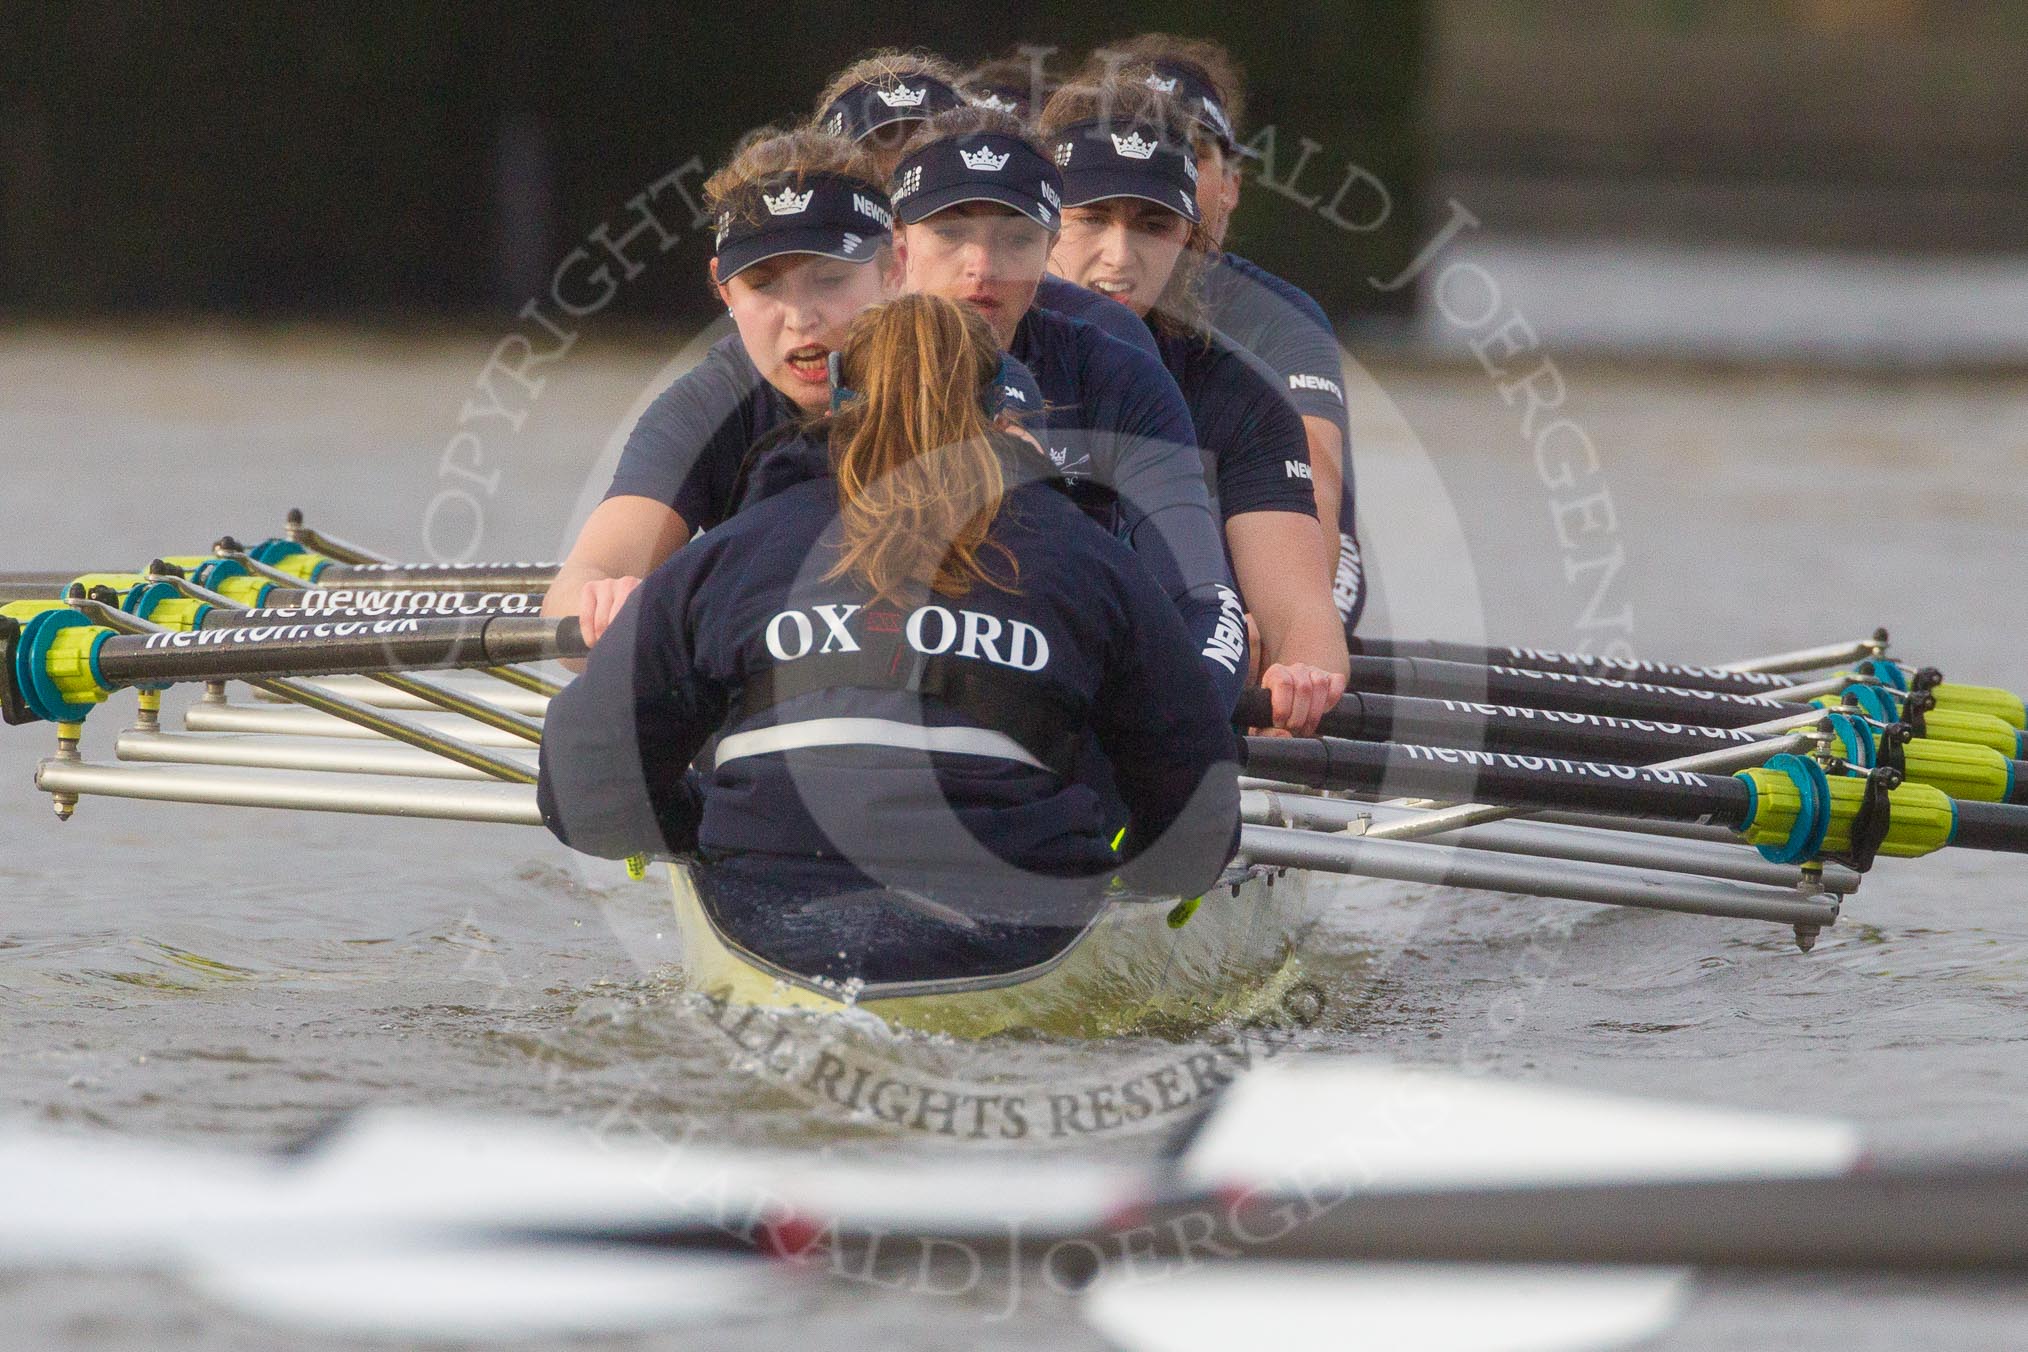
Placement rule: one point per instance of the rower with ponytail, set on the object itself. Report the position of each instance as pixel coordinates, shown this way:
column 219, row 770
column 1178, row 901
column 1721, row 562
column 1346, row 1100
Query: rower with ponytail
column 920, row 476
column 922, row 662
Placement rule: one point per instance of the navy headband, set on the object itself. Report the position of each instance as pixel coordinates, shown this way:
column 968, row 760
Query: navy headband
column 825, row 214
column 870, row 105
column 1104, row 158
column 978, row 167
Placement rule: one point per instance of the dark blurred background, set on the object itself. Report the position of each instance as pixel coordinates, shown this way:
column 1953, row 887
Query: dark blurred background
column 337, row 158
column 1852, row 124
column 433, row 160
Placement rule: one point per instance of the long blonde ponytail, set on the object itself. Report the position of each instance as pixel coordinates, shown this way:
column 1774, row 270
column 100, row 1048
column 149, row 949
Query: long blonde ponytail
column 919, row 482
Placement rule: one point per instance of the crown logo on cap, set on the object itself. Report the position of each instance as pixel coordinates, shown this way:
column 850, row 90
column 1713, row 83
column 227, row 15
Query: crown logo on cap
column 1160, row 85
column 787, row 202
column 983, row 159
column 901, row 96
column 1133, row 146
column 995, row 102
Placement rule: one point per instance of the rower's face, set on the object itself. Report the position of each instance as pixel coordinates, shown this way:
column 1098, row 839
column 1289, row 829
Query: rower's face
column 982, row 254
column 791, row 311
column 1217, row 189
column 1122, row 247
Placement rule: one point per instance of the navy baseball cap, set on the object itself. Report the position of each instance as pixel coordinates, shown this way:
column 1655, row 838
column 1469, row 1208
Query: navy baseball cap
column 1188, row 86
column 978, row 167
column 868, row 106
column 824, row 214
column 1105, row 157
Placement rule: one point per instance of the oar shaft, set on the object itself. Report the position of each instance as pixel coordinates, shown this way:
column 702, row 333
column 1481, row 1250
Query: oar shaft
column 1580, row 664
column 1506, row 727
column 1430, row 678
column 287, row 607
column 1991, row 826
column 329, row 646
column 1898, row 1217
column 494, row 577
column 1547, row 782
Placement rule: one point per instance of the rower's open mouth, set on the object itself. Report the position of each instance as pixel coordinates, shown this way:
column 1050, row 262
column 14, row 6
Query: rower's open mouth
column 810, row 363
column 1118, row 290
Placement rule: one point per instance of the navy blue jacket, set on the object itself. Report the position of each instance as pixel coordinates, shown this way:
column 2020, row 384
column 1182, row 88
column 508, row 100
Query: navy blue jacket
column 751, row 595
column 1282, row 325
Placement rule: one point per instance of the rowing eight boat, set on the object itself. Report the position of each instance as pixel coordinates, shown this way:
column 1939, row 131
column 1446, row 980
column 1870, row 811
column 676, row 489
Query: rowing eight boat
column 1757, row 791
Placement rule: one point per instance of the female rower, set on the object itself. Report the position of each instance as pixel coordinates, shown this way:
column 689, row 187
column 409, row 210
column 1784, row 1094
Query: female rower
column 1273, row 319
column 907, row 662
column 802, row 247
column 975, row 205
column 882, row 101
column 1132, row 231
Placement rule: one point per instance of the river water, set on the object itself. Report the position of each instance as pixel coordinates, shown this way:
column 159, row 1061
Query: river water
column 236, row 977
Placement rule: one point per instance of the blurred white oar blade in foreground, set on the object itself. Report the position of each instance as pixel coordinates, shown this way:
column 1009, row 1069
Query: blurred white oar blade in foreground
column 1377, row 1127
column 1396, row 1307
column 494, row 1292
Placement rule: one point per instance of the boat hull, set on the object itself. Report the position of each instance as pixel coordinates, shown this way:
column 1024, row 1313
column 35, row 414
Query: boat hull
column 1143, row 965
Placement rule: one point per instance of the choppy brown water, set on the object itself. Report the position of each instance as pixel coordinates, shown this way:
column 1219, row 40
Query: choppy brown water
column 237, row 977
